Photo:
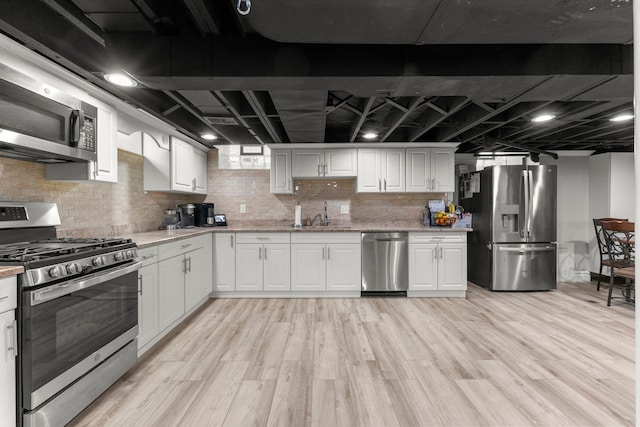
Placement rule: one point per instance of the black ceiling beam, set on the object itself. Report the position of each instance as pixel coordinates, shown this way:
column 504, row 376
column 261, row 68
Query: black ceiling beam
column 259, row 104
column 201, row 17
column 431, row 119
column 231, row 107
column 399, row 120
column 162, row 61
column 363, row 116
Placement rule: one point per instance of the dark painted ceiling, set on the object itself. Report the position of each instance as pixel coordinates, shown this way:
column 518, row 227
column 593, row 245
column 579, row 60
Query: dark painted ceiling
column 472, row 72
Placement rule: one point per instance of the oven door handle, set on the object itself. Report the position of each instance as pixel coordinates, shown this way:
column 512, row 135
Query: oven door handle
column 56, row 291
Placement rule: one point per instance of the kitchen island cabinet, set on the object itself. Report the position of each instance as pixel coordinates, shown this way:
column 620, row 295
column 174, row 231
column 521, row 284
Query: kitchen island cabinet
column 8, row 346
column 437, row 264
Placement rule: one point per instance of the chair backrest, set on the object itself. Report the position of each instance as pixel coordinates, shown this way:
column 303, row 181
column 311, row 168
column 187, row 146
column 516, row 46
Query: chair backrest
column 620, row 239
column 597, row 225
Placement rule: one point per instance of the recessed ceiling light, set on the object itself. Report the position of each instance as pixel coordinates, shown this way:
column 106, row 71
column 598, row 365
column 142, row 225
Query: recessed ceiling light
column 370, row 135
column 208, row 136
column 543, row 118
column 621, row 117
column 120, row 79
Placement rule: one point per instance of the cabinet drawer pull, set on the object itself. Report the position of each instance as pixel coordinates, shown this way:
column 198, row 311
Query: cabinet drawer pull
column 186, row 245
column 3, row 297
column 12, row 338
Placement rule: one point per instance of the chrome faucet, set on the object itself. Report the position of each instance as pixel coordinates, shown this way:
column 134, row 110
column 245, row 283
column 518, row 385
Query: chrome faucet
column 326, row 220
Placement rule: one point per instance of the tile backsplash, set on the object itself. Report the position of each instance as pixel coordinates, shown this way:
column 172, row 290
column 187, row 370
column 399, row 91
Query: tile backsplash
column 99, row 209
column 92, row 209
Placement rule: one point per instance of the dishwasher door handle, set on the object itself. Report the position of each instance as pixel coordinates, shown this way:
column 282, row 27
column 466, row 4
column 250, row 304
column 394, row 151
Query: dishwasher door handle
column 391, row 240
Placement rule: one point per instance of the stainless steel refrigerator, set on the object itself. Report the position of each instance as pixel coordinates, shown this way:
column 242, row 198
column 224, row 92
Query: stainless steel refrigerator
column 513, row 243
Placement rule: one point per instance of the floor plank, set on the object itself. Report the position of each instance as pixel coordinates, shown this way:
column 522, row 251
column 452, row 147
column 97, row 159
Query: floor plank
column 528, row 359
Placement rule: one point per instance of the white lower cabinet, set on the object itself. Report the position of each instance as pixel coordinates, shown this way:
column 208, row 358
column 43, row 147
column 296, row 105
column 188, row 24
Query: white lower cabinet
column 172, row 282
column 263, row 262
column 324, row 261
column 437, row 264
column 148, row 326
column 224, row 262
column 9, row 350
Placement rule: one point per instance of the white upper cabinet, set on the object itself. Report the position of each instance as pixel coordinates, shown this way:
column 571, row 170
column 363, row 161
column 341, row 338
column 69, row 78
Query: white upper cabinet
column 340, row 162
column 188, row 168
column 105, row 168
column 173, row 165
column 381, row 170
column 310, row 163
column 430, row 169
column 281, row 181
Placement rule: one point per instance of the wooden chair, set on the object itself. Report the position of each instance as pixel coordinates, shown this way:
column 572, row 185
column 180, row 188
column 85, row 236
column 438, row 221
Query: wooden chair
column 620, row 239
column 602, row 245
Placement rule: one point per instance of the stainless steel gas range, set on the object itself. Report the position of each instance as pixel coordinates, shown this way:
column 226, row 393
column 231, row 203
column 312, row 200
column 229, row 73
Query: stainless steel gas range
column 77, row 313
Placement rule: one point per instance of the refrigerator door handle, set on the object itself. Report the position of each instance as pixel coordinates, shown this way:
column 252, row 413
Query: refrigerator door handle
column 524, row 204
column 529, row 203
column 526, row 250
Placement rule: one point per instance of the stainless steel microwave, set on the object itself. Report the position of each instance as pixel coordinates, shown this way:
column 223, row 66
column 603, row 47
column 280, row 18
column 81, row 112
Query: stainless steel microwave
column 43, row 124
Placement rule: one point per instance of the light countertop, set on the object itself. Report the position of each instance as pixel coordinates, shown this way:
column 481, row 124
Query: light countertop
column 11, row 270
column 151, row 238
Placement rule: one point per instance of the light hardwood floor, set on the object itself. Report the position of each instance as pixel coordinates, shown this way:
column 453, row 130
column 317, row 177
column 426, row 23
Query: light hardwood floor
column 490, row 359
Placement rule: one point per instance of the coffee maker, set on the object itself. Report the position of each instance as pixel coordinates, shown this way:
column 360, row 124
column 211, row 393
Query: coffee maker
column 203, row 215
column 186, row 215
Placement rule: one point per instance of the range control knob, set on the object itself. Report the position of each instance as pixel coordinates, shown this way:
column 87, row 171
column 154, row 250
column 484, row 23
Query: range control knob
column 54, row 272
column 72, row 268
column 129, row 254
column 97, row 261
column 118, row 256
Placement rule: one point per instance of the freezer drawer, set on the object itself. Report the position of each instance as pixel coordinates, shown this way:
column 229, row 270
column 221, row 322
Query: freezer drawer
column 524, row 267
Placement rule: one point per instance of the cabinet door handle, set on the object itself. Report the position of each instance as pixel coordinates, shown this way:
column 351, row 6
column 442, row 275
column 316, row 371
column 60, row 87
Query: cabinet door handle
column 231, row 241
column 140, row 285
column 385, row 185
column 184, row 265
column 440, row 252
column 319, row 172
column 322, row 253
column 193, row 184
column 265, row 253
column 189, row 261
column 12, row 338
column 326, row 169
column 380, row 185
column 328, row 253
column 259, row 253
column 433, row 183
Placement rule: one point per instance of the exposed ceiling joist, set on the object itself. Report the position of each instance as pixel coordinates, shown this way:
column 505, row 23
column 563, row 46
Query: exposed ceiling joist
column 363, row 117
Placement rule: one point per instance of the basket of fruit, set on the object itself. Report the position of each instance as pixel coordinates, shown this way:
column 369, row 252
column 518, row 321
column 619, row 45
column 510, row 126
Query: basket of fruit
column 444, row 219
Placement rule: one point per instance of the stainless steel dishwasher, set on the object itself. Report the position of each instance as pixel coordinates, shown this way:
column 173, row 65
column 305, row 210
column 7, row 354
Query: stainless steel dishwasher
column 385, row 263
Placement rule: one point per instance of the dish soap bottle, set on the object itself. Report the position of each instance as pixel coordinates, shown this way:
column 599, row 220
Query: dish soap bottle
column 452, row 208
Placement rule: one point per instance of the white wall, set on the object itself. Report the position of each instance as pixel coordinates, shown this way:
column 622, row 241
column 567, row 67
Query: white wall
column 611, row 193
column 573, row 212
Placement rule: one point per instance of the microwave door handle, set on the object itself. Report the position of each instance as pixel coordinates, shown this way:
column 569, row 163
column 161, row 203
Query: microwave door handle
column 77, row 123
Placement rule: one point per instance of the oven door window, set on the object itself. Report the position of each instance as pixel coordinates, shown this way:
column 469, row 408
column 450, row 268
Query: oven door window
column 59, row 333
